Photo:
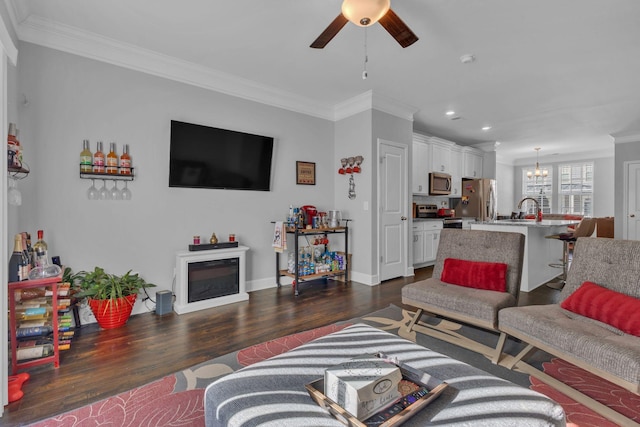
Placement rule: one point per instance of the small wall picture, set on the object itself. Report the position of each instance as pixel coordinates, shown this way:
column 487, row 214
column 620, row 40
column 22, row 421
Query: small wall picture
column 305, row 173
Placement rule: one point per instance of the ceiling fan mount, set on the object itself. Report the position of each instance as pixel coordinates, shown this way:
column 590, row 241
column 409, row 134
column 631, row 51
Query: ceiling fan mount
column 365, row 13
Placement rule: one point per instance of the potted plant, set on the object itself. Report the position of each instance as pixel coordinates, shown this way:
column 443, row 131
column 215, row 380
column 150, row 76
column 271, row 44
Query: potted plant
column 110, row 297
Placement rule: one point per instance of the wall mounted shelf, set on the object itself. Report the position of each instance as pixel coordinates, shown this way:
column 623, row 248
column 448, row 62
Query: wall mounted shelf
column 17, row 173
column 109, row 176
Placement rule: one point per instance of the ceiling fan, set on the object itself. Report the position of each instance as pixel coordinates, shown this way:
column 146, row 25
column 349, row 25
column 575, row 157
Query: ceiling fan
column 365, row 13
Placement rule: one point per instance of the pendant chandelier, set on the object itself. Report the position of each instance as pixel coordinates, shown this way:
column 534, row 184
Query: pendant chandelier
column 538, row 172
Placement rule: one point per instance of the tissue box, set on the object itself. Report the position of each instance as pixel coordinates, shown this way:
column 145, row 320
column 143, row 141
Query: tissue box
column 363, row 385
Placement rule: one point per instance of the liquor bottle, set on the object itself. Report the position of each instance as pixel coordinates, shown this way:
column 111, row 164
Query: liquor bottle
column 34, row 352
column 86, row 159
column 98, row 159
column 40, row 255
column 29, row 249
column 125, row 161
column 17, row 268
column 26, row 259
column 112, row 159
column 27, row 294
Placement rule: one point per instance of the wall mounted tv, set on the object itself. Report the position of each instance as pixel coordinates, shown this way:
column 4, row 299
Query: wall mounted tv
column 207, row 157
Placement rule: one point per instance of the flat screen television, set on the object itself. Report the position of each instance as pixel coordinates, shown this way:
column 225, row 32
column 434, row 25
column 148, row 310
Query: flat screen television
column 208, row 157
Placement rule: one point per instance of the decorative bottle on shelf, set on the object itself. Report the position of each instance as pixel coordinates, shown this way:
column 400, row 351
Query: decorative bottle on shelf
column 40, row 254
column 98, row 159
column 125, row 161
column 86, row 159
column 112, row 159
column 14, row 147
column 18, row 270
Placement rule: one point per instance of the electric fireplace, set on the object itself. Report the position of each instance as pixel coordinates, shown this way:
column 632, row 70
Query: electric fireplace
column 206, row 279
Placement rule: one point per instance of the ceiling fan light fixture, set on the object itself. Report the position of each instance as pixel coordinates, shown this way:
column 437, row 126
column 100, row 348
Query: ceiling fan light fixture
column 364, row 13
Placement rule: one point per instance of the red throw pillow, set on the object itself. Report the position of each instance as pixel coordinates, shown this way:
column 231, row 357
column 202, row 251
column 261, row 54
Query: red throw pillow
column 613, row 308
column 491, row 276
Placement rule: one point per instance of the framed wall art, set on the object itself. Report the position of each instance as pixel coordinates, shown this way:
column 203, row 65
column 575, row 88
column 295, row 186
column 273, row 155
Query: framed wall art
column 305, row 173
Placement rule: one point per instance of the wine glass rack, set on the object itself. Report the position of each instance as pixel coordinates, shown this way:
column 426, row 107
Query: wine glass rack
column 108, row 176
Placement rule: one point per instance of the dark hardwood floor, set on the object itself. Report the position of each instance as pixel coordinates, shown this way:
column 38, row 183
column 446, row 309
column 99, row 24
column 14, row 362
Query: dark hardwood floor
column 102, row 363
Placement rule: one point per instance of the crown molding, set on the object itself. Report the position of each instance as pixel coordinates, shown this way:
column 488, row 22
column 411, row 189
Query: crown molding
column 6, row 41
column 367, row 101
column 72, row 40
column 623, row 139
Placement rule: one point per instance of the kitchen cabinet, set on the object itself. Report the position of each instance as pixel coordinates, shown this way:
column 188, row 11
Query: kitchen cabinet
column 305, row 270
column 472, row 163
column 440, row 158
column 456, row 171
column 426, row 237
column 420, row 166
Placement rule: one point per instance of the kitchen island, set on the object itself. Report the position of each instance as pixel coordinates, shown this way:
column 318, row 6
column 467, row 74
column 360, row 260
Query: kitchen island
column 539, row 251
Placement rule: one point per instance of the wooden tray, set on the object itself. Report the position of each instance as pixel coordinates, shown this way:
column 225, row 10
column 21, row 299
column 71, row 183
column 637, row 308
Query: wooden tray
column 393, row 415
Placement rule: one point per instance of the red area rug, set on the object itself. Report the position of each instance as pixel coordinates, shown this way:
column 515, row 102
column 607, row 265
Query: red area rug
column 616, row 398
column 178, row 399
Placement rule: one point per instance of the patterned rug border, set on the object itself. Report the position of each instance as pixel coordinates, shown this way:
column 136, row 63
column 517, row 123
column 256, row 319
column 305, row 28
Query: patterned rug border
column 178, row 399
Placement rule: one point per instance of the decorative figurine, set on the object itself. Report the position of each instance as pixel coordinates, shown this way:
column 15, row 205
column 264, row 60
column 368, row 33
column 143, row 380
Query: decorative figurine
column 213, row 239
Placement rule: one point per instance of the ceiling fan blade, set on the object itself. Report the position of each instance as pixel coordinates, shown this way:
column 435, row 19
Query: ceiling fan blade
column 330, row 32
column 398, row 29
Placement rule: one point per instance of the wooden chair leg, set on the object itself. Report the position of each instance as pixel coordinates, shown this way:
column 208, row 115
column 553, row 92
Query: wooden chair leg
column 520, row 356
column 499, row 348
column 417, row 317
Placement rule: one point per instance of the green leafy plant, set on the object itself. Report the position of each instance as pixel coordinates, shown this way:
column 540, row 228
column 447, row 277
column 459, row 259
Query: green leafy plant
column 100, row 285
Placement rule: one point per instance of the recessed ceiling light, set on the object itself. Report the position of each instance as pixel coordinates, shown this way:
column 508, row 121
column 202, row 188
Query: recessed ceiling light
column 485, row 128
column 450, row 113
column 467, row 58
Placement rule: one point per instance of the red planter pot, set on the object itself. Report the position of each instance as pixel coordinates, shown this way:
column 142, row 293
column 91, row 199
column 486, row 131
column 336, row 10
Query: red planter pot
column 112, row 314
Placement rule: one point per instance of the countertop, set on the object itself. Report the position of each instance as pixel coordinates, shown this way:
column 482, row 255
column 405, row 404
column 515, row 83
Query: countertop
column 530, row 222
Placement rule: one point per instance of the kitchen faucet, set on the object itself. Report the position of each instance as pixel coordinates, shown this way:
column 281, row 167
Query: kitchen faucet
column 538, row 210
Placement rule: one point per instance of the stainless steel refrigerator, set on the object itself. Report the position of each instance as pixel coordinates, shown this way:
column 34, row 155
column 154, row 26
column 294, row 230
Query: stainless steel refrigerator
column 479, row 200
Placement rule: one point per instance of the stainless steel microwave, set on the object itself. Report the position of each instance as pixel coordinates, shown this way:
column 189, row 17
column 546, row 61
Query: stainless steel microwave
column 439, row 184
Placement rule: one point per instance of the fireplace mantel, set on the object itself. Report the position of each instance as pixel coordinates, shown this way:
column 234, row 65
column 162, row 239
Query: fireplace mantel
column 183, row 259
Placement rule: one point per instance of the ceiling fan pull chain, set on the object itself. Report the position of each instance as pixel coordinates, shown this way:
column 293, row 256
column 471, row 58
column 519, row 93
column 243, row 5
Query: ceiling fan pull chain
column 366, row 57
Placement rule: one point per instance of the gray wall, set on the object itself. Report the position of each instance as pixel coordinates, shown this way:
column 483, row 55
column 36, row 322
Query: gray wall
column 72, row 98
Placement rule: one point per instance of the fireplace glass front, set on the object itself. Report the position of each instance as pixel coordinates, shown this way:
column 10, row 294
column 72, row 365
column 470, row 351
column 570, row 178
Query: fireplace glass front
column 213, row 279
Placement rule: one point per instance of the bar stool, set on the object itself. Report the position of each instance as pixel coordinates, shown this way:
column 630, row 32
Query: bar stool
column 585, row 227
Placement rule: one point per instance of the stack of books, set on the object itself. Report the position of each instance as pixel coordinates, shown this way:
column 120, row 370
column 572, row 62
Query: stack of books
column 65, row 324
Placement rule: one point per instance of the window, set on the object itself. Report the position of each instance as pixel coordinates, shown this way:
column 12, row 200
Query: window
column 575, row 188
column 539, row 188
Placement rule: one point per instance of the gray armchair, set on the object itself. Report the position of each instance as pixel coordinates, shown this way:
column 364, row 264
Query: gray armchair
column 473, row 306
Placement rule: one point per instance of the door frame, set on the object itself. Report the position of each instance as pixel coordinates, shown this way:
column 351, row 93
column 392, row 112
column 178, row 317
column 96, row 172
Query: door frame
column 405, row 191
column 625, row 197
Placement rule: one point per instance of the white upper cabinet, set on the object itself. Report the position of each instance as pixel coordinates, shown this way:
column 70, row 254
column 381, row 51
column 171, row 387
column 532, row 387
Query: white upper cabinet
column 432, row 154
column 456, row 171
column 472, row 163
column 440, row 157
column 420, row 166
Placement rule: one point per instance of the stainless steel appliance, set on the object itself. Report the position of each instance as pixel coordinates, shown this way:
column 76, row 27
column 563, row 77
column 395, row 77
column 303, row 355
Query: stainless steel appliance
column 427, row 211
column 479, row 199
column 439, row 184
column 452, row 222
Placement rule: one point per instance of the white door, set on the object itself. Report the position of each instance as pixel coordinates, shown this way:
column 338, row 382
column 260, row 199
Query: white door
column 393, row 207
column 631, row 224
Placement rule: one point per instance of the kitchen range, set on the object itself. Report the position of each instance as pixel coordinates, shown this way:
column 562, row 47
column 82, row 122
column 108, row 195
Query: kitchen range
column 428, row 222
